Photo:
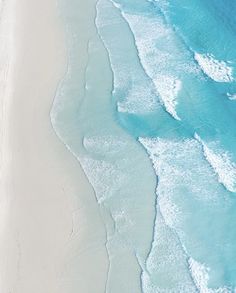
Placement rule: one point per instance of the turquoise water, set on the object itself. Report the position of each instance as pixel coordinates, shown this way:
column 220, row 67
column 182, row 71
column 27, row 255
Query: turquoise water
column 153, row 125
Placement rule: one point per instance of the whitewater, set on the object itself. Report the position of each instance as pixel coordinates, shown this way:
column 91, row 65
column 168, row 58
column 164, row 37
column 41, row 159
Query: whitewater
column 153, row 126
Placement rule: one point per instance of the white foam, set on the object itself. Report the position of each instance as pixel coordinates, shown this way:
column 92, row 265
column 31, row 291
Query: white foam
column 155, row 60
column 162, row 56
column 163, row 4
column 132, row 88
column 139, row 99
column 217, row 70
column 169, row 210
column 166, row 263
column 107, row 144
column 182, row 161
column 179, row 164
column 168, row 87
column 166, row 270
column 231, row 96
column 103, row 176
column 221, row 164
column 200, row 275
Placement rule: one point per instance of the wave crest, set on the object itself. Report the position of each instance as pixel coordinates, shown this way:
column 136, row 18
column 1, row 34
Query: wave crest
column 221, row 163
column 217, row 70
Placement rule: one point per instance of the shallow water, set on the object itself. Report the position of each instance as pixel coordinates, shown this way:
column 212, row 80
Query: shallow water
column 150, row 113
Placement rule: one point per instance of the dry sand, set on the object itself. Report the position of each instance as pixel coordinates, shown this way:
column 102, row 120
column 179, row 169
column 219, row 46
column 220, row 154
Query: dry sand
column 52, row 236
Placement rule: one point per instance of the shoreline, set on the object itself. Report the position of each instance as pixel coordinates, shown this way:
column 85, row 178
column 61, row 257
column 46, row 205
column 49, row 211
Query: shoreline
column 50, row 239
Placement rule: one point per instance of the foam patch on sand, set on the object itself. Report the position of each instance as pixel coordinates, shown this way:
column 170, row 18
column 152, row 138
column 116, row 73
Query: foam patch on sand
column 222, row 164
column 107, row 144
column 103, row 176
column 218, row 70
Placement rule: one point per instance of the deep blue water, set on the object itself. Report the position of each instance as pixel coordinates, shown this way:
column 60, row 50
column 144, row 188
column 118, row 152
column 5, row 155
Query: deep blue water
column 155, row 131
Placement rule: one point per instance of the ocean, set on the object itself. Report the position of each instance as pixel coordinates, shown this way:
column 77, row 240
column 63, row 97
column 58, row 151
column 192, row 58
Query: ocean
column 151, row 115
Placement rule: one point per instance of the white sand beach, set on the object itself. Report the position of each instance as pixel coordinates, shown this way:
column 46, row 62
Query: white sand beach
column 52, row 237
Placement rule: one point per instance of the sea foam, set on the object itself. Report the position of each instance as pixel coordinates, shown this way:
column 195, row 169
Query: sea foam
column 221, row 163
column 138, row 100
column 218, row 70
column 182, row 160
column 167, row 260
column 200, row 275
column 132, row 88
column 231, row 97
column 99, row 174
column 154, row 60
column 168, row 88
column 179, row 166
column 166, row 266
column 108, row 144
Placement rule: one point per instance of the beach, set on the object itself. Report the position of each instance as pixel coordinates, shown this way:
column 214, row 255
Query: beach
column 51, row 229
column 117, row 146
